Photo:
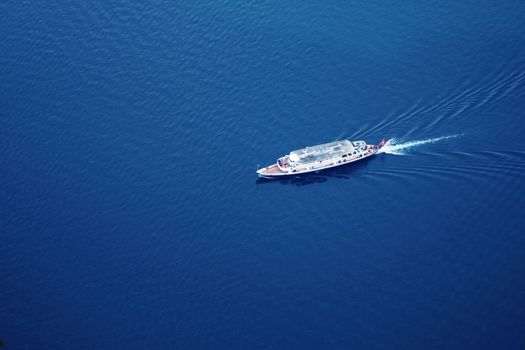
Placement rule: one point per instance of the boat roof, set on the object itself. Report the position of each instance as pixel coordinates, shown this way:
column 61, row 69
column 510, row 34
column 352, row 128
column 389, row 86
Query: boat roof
column 323, row 151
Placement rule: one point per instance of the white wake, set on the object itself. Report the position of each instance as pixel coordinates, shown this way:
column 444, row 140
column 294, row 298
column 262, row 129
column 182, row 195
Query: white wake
column 394, row 146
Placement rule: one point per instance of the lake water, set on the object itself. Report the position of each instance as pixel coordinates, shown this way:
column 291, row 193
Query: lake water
column 131, row 216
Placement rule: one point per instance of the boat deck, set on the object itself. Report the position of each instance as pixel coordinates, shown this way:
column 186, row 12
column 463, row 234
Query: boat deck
column 273, row 169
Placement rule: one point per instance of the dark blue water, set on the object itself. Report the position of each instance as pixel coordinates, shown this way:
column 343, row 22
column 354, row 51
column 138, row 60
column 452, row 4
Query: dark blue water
column 131, row 216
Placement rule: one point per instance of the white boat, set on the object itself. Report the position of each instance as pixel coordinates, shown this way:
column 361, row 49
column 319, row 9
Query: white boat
column 315, row 158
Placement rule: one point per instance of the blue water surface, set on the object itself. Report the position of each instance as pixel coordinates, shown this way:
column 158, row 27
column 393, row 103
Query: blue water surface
column 131, row 216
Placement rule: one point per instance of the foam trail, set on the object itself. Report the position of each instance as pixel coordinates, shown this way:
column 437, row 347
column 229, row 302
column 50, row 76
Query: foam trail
column 393, row 146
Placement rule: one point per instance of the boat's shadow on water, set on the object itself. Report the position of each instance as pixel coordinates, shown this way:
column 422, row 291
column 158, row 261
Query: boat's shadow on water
column 342, row 172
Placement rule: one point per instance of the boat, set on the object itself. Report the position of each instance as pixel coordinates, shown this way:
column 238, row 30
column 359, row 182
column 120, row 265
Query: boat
column 319, row 157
